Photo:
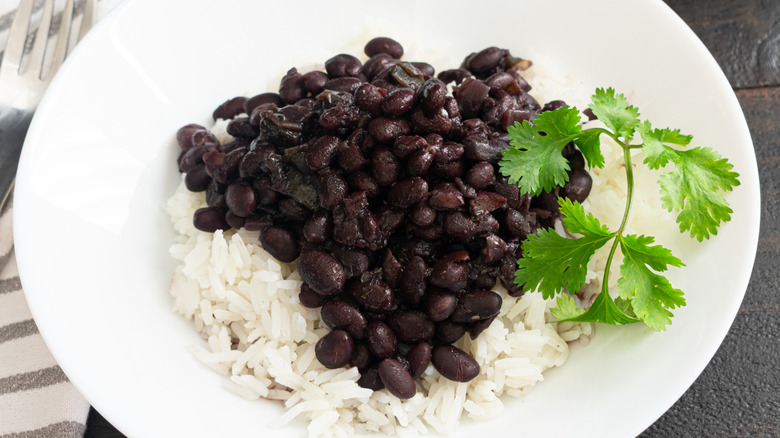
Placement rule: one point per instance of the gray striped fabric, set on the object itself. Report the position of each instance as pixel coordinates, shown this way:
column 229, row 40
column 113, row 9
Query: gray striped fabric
column 36, row 398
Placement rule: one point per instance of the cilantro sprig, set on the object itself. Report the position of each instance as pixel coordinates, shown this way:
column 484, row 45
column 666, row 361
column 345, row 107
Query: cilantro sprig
column 553, row 264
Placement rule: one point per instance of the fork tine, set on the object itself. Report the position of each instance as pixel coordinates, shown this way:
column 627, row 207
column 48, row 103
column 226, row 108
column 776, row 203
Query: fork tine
column 41, row 39
column 88, row 18
column 61, row 49
column 17, row 36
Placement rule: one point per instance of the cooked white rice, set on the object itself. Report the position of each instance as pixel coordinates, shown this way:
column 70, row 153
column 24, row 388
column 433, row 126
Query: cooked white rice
column 258, row 335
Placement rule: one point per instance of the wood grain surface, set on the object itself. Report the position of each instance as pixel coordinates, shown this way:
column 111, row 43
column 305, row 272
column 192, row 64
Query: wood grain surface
column 738, row 394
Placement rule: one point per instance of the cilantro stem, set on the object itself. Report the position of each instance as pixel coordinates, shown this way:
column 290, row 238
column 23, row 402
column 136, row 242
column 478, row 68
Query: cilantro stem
column 629, row 198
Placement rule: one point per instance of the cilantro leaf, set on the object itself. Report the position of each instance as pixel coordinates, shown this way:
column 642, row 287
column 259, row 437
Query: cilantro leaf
column 658, row 154
column 552, row 262
column 613, row 109
column 589, row 144
column 567, row 308
column 535, row 162
column 651, row 295
column 603, row 310
column 694, row 187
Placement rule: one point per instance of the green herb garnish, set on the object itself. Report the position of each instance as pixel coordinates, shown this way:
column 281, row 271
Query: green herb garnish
column 553, row 264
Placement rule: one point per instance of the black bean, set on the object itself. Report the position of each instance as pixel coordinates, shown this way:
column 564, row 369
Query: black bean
column 369, row 98
column 424, row 68
column 439, row 304
column 262, row 99
column 408, row 192
column 335, row 349
column 454, row 75
column 433, row 94
column 215, row 195
column 406, row 145
column 386, row 130
column 481, row 176
column 331, row 188
column 413, row 280
column 230, row 108
column 338, row 314
column 369, row 378
column 184, row 135
column 379, row 64
column 486, row 60
column 445, row 196
column 350, row 157
column 397, row 379
column 384, row 45
column 398, row 102
column 354, row 261
column 197, row 180
column 494, row 249
column 485, row 202
column 203, row 137
column 311, row 299
column 361, row 358
column 321, row 271
column 314, row 81
column 391, row 269
column 412, row 326
column 240, row 198
column 340, row 117
column 476, row 305
column 419, row 357
column 223, row 167
column 449, row 332
column 291, row 88
column 373, row 294
column 385, row 167
column 193, row 157
column 422, row 215
column 449, row 152
column 454, row 363
column 381, row 339
column 470, row 96
column 512, row 116
column 579, row 185
column 280, row 243
column 318, row 228
column 210, row 219
column 575, row 157
column 438, row 123
column 265, row 194
column 321, row 152
column 480, row 148
column 240, row 127
column 449, row 272
column 257, row 222
column 343, row 65
column 477, row 327
column 553, row 105
column 344, row 84
column 459, row 226
column 362, row 182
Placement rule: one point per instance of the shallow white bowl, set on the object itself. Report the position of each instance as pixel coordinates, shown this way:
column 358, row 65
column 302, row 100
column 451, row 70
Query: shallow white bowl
column 92, row 238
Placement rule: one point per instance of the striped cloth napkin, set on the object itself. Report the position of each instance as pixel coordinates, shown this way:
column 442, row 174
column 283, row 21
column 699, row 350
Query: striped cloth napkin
column 36, row 398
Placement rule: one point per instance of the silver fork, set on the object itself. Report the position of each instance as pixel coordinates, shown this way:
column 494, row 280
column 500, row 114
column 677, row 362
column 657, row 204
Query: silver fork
column 21, row 91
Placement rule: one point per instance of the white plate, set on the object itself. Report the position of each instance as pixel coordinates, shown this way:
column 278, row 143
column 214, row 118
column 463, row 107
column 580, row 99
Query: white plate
column 99, row 162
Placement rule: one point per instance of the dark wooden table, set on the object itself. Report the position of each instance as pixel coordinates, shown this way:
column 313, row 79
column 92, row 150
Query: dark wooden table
column 738, row 394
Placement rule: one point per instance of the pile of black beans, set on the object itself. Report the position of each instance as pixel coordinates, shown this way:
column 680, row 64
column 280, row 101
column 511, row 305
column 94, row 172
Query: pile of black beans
column 387, row 192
